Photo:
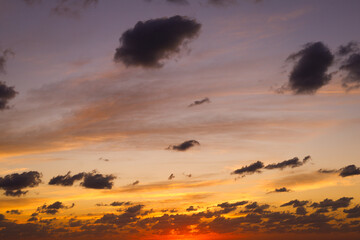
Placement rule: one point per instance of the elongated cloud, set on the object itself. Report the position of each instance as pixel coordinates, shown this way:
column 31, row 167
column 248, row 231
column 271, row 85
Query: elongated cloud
column 295, row 203
column 347, row 171
column 199, row 102
column 66, row 180
column 353, row 212
column 351, row 66
column 334, row 205
column 310, row 68
column 152, row 41
column 14, row 183
column 98, row 181
column 279, row 190
column 53, row 208
column 251, row 169
column 184, row 146
column 294, row 162
column 351, row 47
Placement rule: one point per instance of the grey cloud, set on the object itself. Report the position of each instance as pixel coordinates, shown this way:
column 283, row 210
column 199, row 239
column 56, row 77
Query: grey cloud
column 98, row 181
column 152, row 41
column 66, row 180
column 14, row 183
column 252, row 168
column 310, row 69
column 184, row 146
column 199, row 102
column 334, row 205
column 294, row 162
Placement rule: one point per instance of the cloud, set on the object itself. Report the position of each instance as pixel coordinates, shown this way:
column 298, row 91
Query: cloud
column 301, row 211
column 13, row 183
column 221, row 3
column 252, row 168
column 191, row 209
column 199, row 102
column 229, row 207
column 352, row 67
column 118, row 204
column 294, row 162
column 349, row 171
column 14, row 211
column 152, row 41
column 351, row 47
column 181, row 2
column 278, row 190
column 3, row 58
column 184, row 146
column 353, row 212
column 53, row 208
column 66, row 180
column 6, row 94
column 171, row 177
column 334, row 205
column 295, row 203
column 135, row 183
column 72, row 8
column 98, row 181
column 310, row 69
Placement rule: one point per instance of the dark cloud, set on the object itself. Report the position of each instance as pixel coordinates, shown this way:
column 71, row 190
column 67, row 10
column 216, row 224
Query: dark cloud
column 301, row 211
column 72, row 8
column 14, row 211
column 171, row 177
column 66, row 180
column 135, row 183
column 190, row 209
column 221, row 3
column 15, row 193
column 278, row 190
column 152, row 41
column 53, row 208
column 349, row 171
column 98, row 181
column 352, row 67
column 199, row 102
column 187, row 175
column 229, row 207
column 6, row 94
column 183, row 146
column 353, row 212
column 310, row 69
column 4, row 55
column 255, row 208
column 118, row 204
column 13, row 183
column 252, row 168
column 334, row 205
column 351, row 47
column 295, row 203
column 294, row 162
column 181, row 2
column 328, row 171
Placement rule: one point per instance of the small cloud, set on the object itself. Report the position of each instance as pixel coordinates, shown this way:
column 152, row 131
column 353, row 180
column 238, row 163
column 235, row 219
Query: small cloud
column 66, row 180
column 334, row 205
column 152, row 41
column 309, row 72
column 279, row 190
column 183, row 146
column 135, row 183
column 98, row 181
column 350, row 170
column 14, row 183
column 295, row 203
column 251, row 169
column 351, row 47
column 172, row 176
column 293, row 163
column 14, row 211
column 199, row 102
column 191, row 209
column 104, row 159
column 53, row 208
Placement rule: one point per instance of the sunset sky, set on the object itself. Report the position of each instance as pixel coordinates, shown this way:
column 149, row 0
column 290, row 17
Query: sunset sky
column 179, row 119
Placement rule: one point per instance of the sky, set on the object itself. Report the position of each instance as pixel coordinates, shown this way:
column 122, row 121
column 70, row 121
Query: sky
column 179, row 119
